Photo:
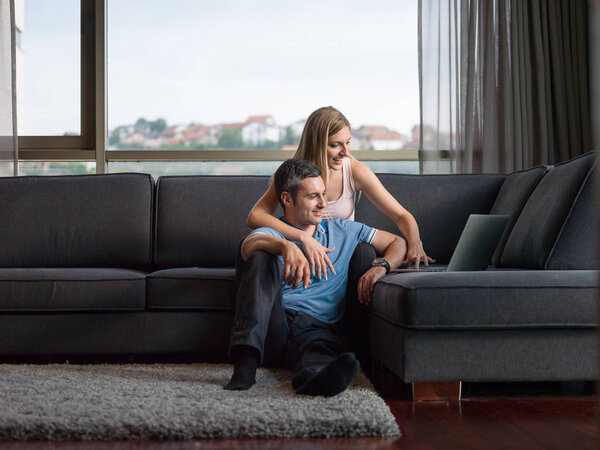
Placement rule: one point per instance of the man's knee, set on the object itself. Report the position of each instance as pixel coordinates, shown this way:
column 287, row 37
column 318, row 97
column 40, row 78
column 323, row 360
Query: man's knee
column 261, row 262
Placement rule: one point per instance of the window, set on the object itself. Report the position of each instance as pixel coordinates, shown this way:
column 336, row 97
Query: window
column 224, row 85
column 49, row 84
column 238, row 75
column 55, row 81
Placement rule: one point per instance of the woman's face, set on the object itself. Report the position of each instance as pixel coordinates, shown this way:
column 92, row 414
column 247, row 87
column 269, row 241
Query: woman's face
column 338, row 146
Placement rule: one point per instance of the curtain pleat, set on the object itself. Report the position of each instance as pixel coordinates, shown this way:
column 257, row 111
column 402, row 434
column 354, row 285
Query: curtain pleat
column 510, row 77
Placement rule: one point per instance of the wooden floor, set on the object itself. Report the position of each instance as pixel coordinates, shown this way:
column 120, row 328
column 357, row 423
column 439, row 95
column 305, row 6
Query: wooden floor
column 491, row 416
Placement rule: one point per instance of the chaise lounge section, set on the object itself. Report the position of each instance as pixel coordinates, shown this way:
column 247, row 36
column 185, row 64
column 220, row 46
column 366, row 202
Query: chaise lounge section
column 531, row 317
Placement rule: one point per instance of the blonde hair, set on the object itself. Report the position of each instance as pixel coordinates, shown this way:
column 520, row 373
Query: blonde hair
column 320, row 125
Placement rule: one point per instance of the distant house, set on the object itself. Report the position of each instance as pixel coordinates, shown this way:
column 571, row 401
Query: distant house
column 134, row 139
column 431, row 138
column 201, row 134
column 138, row 135
column 172, row 136
column 360, row 140
column 376, row 137
column 391, row 140
column 259, row 129
column 413, row 141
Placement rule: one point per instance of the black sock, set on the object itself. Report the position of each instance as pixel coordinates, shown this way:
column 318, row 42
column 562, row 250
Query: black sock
column 245, row 360
column 333, row 378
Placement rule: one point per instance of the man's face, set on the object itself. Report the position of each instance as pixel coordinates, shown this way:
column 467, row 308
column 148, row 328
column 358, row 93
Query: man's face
column 307, row 208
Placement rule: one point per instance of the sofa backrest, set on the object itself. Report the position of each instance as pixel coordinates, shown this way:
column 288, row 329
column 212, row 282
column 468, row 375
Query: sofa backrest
column 576, row 245
column 511, row 200
column 553, row 201
column 200, row 220
column 441, row 205
column 76, row 221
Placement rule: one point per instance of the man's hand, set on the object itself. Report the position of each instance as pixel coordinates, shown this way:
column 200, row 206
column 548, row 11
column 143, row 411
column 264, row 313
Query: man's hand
column 366, row 284
column 316, row 254
column 295, row 265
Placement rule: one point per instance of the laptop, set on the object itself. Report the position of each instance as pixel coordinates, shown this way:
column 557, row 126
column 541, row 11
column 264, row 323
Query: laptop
column 475, row 247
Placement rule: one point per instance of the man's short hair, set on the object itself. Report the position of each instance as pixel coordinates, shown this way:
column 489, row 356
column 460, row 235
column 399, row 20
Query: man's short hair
column 289, row 175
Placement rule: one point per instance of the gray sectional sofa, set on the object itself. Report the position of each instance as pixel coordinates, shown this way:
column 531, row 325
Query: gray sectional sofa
column 122, row 265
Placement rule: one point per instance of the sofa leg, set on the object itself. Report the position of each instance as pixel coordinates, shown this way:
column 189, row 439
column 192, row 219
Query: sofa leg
column 439, row 391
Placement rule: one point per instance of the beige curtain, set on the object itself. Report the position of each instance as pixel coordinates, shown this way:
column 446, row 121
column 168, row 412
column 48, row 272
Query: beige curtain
column 503, row 84
column 8, row 103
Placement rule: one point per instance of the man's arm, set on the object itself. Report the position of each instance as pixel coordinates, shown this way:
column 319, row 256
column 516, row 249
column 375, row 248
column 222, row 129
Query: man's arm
column 295, row 265
column 393, row 249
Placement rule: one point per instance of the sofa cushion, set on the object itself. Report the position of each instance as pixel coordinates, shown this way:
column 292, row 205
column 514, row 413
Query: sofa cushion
column 539, row 224
column 192, row 288
column 577, row 244
column 489, row 299
column 71, row 289
column 513, row 195
column 202, row 219
column 76, row 221
column 441, row 205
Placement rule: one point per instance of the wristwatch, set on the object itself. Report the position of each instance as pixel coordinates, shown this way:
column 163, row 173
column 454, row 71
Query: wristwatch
column 382, row 262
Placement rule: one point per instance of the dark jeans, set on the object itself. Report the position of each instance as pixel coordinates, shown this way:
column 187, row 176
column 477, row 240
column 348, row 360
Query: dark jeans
column 284, row 336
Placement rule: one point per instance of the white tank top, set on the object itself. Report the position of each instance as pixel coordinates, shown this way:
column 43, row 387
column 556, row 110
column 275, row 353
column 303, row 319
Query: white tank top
column 343, row 207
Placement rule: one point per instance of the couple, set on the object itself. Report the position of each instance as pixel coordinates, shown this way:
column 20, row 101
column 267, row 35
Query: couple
column 288, row 306
column 281, row 314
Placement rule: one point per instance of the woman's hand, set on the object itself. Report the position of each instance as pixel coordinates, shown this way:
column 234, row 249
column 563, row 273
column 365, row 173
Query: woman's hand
column 316, row 254
column 416, row 255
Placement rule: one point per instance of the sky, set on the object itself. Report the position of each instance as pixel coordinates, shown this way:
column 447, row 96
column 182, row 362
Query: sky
column 221, row 61
column 48, row 88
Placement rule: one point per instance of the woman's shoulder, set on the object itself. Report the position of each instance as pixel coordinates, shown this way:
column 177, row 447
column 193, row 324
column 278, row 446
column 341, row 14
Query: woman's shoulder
column 360, row 172
column 357, row 165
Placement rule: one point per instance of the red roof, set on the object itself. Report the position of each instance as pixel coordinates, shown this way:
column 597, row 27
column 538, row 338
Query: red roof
column 257, row 119
column 175, row 141
column 392, row 135
column 235, row 126
column 195, row 132
column 371, row 129
column 168, row 132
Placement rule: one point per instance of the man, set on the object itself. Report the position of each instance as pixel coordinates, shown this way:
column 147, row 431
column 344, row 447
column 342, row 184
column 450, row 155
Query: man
column 285, row 313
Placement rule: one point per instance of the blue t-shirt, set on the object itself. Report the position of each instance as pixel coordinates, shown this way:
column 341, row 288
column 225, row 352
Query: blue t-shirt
column 325, row 299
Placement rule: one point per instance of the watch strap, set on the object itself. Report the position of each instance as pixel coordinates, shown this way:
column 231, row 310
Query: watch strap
column 382, row 262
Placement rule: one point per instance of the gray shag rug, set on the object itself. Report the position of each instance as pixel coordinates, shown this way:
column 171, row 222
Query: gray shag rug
column 176, row 401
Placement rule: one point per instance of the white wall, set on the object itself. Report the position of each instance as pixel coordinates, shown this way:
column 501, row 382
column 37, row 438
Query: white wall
column 594, row 62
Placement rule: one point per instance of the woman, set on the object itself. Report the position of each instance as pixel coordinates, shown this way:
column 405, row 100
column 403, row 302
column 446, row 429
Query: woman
column 325, row 141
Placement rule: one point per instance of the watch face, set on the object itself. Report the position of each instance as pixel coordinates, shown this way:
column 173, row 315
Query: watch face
column 381, row 262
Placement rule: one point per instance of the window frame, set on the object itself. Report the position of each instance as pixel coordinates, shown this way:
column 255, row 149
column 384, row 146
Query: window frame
column 80, row 147
column 91, row 146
